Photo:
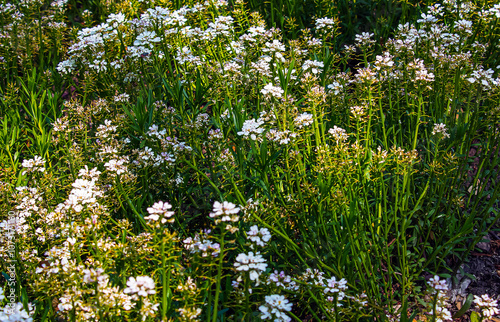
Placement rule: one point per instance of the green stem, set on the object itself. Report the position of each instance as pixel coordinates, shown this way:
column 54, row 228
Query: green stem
column 219, row 275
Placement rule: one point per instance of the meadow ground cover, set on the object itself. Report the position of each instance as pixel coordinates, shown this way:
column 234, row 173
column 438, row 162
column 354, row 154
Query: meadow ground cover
column 230, row 161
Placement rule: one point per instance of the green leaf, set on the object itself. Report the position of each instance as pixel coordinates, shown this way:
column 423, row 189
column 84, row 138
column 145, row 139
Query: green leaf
column 474, row 317
column 464, row 307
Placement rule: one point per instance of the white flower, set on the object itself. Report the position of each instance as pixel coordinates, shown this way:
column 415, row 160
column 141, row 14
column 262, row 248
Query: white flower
column 146, row 38
column 488, row 306
column 275, row 46
column 440, row 129
column 437, row 284
column 339, row 134
column 142, row 285
column 35, row 164
column 427, row 19
column 254, row 264
column 66, row 66
column 15, row 313
column 225, row 212
column 315, row 66
column 384, row 61
column 334, row 286
column 303, row 120
column 203, row 246
column 282, row 280
column 251, row 128
column 259, row 237
column 275, row 308
column 483, row 77
column 336, row 87
column 160, row 209
column 325, row 23
column 364, row 39
column 116, row 166
column 272, row 91
column 93, row 275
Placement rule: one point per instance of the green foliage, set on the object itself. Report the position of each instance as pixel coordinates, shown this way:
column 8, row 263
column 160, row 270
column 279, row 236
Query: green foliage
column 144, row 149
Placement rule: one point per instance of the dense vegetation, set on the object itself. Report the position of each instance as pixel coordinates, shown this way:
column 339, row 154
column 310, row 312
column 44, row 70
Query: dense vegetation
column 287, row 160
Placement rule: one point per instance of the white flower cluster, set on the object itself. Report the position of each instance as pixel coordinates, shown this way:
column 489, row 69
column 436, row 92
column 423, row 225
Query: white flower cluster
column 488, row 306
column 146, row 38
column 384, row 61
column 336, row 87
column 335, row 287
column 185, row 56
column 84, row 192
column 160, row 210
column 427, row 19
column 255, row 264
column 117, row 166
column 275, row 308
column 66, row 66
column 358, row 111
column 15, row 312
column 364, row 39
column 202, row 245
column 303, row 120
column 142, row 286
column 189, row 313
column 251, row 128
column 421, row 72
column 440, row 130
column 121, row 98
column 438, row 309
column 94, row 275
column 324, row 24
column 315, row 66
column 274, row 46
column 483, row 77
column 272, row 91
column 339, row 134
column 259, row 236
column 281, row 137
column 313, row 276
column 225, row 212
column 282, row 280
column 106, row 130
column 32, row 165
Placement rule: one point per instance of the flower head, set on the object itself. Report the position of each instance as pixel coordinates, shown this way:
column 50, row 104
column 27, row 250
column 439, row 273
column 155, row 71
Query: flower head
column 275, row 308
column 440, row 130
column 259, row 236
column 488, row 306
column 142, row 286
column 225, row 212
column 160, row 210
column 255, row 264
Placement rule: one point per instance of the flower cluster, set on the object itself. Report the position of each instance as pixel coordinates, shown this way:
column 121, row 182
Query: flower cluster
column 275, row 308
column 160, row 210
column 255, row 264
column 140, row 285
column 440, row 130
column 225, row 212
column 439, row 299
column 487, row 305
column 35, row 164
column 252, row 129
column 259, row 236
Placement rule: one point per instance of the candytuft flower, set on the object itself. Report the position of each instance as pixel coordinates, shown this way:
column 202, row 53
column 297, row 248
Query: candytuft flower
column 225, row 212
column 275, row 308
column 160, row 210
column 142, row 286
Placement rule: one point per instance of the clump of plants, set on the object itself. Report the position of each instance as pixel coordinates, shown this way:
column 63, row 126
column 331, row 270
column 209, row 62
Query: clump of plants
column 186, row 161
